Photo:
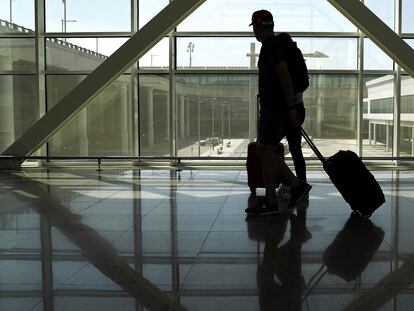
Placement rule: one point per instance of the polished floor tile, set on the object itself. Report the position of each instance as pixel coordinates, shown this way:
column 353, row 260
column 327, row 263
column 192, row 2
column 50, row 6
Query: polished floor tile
column 76, row 239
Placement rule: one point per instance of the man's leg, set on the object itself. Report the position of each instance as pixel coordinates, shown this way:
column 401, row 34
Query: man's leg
column 275, row 171
column 294, row 138
column 271, row 174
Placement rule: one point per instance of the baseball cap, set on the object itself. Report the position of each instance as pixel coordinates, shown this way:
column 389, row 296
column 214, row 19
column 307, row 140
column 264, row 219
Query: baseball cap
column 262, row 17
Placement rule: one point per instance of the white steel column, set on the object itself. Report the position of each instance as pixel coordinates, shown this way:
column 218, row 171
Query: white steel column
column 80, row 129
column 378, row 32
column 181, row 114
column 99, row 79
column 123, row 102
column 150, row 116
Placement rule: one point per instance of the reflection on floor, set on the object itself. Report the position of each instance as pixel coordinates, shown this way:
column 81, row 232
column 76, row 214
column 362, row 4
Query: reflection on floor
column 159, row 240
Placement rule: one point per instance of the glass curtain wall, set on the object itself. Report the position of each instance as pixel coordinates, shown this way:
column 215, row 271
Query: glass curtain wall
column 194, row 93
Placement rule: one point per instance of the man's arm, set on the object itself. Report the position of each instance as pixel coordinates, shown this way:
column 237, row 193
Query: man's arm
column 287, row 89
column 286, row 82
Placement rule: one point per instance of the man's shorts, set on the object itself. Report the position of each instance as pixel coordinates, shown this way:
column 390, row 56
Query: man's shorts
column 272, row 127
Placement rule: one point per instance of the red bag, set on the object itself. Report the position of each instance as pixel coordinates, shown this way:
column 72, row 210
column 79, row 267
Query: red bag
column 254, row 166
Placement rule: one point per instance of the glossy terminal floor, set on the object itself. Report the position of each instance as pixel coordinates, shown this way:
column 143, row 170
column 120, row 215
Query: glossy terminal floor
column 72, row 239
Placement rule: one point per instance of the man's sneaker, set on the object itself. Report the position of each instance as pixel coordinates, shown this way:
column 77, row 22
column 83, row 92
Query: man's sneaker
column 283, row 192
column 298, row 193
column 262, row 210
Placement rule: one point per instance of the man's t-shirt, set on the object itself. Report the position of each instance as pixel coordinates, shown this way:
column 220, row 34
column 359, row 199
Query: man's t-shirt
column 270, row 91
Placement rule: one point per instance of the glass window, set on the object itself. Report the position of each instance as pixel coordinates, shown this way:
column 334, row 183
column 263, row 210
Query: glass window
column 230, row 53
column 17, row 16
column 71, row 54
column 331, row 112
column 104, row 127
column 154, row 115
column 329, row 53
column 211, row 53
column 148, row 9
column 213, row 110
column 213, row 114
column 157, row 57
column 378, row 107
column 294, row 15
column 18, row 107
column 407, row 116
column 407, row 16
column 375, row 58
column 87, row 16
column 384, row 9
column 17, row 54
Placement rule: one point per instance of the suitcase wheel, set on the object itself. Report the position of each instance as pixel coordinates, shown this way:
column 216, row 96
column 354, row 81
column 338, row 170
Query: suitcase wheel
column 253, row 190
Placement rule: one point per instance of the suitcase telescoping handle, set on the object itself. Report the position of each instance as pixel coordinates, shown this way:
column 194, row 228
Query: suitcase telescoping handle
column 313, row 147
column 257, row 114
column 309, row 287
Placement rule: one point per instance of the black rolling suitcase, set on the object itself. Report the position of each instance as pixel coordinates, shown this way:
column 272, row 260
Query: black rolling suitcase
column 352, row 179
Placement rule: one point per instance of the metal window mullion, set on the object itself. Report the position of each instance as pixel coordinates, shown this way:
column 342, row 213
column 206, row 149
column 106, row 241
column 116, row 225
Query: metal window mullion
column 397, row 88
column 116, row 34
column 40, row 59
column 135, row 86
column 360, row 107
column 238, row 34
column 172, row 98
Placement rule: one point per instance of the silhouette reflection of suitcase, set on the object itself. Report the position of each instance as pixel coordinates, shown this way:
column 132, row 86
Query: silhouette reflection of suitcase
column 254, row 166
column 350, row 252
column 353, row 180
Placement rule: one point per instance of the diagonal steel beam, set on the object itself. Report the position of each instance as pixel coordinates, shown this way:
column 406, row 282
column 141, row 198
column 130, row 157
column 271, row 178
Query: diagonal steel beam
column 378, row 32
column 96, row 82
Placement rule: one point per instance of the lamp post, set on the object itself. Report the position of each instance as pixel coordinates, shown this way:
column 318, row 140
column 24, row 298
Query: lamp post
column 190, row 50
column 64, row 19
column 11, row 10
column 64, row 16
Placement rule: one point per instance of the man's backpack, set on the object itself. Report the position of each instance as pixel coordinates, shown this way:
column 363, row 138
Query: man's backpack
column 296, row 63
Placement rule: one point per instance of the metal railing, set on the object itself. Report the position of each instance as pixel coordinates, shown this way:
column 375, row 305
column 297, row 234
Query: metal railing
column 181, row 161
column 60, row 42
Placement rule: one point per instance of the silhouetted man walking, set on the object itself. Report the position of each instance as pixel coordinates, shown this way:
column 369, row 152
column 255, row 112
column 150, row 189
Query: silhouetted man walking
column 276, row 114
